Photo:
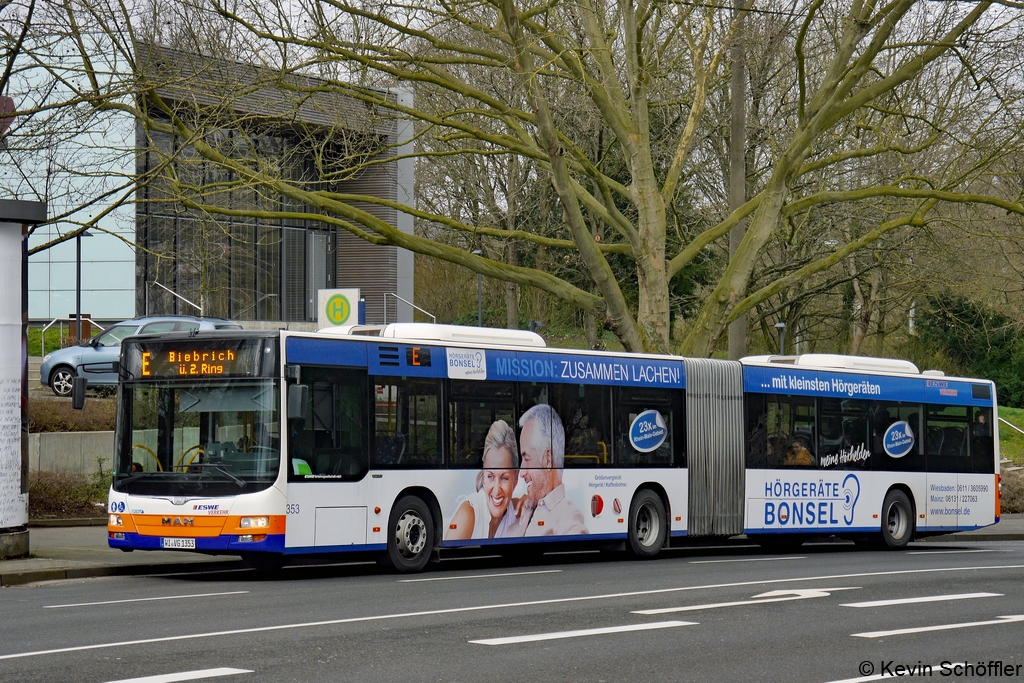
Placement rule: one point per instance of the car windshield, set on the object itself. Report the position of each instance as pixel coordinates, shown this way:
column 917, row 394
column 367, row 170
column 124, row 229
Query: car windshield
column 202, row 438
column 115, row 334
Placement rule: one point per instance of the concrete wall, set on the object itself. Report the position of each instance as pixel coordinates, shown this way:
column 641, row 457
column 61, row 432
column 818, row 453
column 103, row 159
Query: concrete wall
column 70, row 451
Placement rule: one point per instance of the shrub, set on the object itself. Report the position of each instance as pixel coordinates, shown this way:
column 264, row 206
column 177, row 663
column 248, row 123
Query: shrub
column 56, row 495
column 57, row 415
column 1013, row 491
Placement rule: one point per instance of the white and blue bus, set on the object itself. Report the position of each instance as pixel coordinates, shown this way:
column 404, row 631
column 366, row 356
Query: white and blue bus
column 410, row 439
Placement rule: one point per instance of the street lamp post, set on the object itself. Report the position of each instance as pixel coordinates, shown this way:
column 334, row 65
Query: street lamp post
column 479, row 294
column 78, row 282
column 781, row 327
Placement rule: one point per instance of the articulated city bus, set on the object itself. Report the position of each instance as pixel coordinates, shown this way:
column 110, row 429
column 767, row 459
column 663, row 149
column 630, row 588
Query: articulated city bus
column 410, row 439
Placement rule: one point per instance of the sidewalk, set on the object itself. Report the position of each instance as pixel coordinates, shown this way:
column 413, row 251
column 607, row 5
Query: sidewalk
column 73, row 552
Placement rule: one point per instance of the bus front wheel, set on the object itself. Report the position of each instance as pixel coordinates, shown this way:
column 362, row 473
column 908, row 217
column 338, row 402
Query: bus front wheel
column 897, row 520
column 410, row 535
column 647, row 526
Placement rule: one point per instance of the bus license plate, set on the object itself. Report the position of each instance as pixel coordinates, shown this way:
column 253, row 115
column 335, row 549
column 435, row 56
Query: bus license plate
column 178, row 543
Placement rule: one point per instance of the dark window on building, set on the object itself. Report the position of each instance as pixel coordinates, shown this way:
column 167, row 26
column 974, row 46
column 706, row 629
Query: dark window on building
column 331, row 442
column 630, row 403
column 585, row 411
column 843, row 434
column 883, row 415
column 407, row 422
column 472, row 408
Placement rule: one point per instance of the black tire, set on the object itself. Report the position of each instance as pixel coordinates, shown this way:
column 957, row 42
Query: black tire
column 61, row 380
column 410, row 535
column 897, row 520
column 648, row 525
column 264, row 563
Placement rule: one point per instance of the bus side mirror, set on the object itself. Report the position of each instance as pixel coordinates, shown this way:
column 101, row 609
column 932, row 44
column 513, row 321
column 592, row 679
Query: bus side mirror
column 78, row 386
column 298, row 399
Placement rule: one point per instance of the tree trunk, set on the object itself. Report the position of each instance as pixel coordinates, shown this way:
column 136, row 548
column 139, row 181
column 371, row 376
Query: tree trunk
column 511, row 294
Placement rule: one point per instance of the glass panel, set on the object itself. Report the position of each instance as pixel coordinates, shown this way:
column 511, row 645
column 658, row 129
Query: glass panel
column 210, row 438
column 640, row 416
column 586, row 415
column 331, row 443
column 843, row 434
column 790, row 431
column 474, row 407
column 947, row 436
column 407, row 422
column 981, row 441
column 887, row 417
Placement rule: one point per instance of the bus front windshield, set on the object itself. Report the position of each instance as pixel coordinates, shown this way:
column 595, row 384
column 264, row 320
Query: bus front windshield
column 205, row 438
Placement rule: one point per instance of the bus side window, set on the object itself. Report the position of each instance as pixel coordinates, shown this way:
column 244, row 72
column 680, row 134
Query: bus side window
column 630, row 403
column 331, row 443
column 757, row 432
column 585, row 411
column 981, row 441
column 473, row 406
column 407, row 423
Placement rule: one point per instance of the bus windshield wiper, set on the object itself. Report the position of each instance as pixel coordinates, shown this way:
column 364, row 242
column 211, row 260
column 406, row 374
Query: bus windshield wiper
column 223, row 470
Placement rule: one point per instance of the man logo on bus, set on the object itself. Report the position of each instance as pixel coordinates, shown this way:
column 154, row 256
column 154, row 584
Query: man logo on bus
column 338, row 309
column 898, row 439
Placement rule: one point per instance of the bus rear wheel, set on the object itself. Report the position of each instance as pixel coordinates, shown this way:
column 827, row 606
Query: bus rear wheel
column 897, row 520
column 410, row 535
column 647, row 526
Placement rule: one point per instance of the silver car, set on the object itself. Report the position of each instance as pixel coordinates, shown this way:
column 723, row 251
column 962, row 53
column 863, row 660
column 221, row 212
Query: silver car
column 96, row 358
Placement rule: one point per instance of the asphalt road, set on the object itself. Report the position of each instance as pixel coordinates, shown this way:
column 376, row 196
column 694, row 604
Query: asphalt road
column 711, row 614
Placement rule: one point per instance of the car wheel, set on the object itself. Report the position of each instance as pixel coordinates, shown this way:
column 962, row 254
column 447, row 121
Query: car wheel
column 61, row 380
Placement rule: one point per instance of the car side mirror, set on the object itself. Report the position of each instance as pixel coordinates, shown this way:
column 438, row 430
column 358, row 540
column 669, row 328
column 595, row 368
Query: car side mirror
column 78, row 386
column 298, row 399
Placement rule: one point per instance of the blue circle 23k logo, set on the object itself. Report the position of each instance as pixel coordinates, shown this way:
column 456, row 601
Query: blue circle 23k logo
column 648, row 431
column 898, row 439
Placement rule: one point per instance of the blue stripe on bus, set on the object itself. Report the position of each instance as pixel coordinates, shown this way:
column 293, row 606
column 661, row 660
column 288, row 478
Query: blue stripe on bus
column 800, row 382
column 274, row 543
column 830, row 530
column 325, row 351
column 522, row 540
column 331, row 549
column 527, row 366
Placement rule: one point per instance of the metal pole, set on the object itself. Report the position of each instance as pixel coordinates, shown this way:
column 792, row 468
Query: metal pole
column 78, row 287
column 479, row 300
column 781, row 327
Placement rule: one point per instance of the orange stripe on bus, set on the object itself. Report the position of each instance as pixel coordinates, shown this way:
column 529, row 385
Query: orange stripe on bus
column 196, row 526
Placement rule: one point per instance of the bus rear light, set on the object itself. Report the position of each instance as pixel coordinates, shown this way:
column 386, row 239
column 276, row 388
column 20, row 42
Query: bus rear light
column 376, row 529
column 376, row 511
column 621, row 520
column 115, row 520
column 254, row 523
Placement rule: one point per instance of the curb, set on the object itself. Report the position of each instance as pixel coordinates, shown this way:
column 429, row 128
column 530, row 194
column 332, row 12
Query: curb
column 16, row 578
column 75, row 521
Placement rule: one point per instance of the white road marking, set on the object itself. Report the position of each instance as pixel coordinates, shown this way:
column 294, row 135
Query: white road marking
column 771, row 596
column 186, row 676
column 504, row 606
column 878, row 677
column 479, row 576
column 949, row 552
column 941, row 627
column 165, row 597
column 927, row 598
column 751, row 559
column 585, row 632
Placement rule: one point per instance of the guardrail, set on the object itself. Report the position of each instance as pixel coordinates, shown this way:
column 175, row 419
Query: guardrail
column 42, row 335
column 1010, row 424
column 433, row 317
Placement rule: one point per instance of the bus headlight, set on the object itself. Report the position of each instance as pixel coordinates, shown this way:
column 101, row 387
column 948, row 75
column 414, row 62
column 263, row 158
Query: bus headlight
column 254, row 522
column 115, row 520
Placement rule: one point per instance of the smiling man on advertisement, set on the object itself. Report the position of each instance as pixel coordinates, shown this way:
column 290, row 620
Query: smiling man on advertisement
column 544, row 510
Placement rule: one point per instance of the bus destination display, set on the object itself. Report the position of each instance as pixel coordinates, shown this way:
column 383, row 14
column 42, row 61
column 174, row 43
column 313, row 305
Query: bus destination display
column 191, row 363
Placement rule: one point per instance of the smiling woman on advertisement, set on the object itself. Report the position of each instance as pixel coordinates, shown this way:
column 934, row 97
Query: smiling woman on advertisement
column 488, row 513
